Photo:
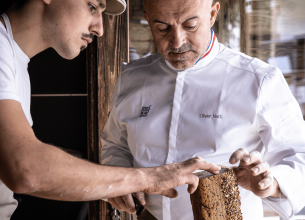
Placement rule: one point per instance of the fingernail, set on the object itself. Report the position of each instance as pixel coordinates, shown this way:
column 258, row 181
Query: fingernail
column 233, row 160
column 255, row 169
column 142, row 200
column 247, row 159
column 262, row 185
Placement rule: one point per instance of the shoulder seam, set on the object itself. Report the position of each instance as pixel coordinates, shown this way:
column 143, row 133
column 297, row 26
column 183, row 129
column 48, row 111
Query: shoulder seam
column 272, row 68
column 237, row 67
column 264, row 74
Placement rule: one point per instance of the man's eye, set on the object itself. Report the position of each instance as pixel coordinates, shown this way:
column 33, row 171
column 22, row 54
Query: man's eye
column 190, row 28
column 164, row 30
column 91, row 7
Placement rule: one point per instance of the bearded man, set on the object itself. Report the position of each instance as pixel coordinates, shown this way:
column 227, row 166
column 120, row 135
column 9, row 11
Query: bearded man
column 195, row 97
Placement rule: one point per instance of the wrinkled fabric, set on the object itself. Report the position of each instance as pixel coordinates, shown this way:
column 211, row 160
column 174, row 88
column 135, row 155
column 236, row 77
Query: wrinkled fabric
column 227, row 101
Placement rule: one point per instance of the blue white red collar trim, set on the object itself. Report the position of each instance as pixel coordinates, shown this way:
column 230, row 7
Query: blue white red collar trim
column 208, row 51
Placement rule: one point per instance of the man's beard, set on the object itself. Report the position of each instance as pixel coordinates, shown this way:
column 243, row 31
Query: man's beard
column 180, row 62
column 183, row 48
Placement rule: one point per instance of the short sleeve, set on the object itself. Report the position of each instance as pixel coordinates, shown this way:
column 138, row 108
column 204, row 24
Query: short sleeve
column 8, row 88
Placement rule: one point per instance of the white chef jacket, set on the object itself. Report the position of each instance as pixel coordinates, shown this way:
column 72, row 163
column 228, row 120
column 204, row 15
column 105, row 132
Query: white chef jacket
column 160, row 115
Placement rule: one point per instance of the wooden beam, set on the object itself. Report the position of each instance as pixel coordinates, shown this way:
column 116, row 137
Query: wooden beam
column 104, row 58
column 92, row 119
column 113, row 50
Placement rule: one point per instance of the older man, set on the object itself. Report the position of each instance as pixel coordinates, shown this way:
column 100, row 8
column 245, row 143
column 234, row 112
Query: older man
column 198, row 98
column 31, row 167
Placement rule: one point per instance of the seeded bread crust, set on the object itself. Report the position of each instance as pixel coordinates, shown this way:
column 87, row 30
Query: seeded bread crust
column 217, row 197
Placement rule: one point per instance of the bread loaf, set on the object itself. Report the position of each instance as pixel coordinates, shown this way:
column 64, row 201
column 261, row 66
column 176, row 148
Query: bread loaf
column 217, row 196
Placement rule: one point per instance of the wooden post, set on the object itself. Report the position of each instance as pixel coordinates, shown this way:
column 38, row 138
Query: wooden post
column 244, row 28
column 92, row 119
column 104, row 58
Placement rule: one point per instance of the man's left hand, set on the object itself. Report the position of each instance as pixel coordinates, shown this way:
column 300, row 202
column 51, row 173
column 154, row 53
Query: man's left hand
column 254, row 175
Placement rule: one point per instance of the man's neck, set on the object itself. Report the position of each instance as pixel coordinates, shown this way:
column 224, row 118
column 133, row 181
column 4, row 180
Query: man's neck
column 27, row 27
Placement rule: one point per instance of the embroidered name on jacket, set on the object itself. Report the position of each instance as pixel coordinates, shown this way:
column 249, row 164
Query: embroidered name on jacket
column 145, row 111
column 210, row 116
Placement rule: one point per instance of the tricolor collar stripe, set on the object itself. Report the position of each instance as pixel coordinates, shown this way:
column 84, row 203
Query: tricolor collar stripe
column 212, row 34
column 210, row 48
column 213, row 37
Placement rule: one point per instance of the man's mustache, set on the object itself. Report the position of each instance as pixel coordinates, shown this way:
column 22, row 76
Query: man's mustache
column 183, row 48
column 91, row 36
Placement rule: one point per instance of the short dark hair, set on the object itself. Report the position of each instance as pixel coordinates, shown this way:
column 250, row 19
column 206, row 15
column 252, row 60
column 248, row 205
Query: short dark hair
column 20, row 3
column 6, row 4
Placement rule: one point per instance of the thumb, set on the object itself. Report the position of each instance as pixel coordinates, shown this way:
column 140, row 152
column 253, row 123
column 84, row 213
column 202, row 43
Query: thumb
column 170, row 193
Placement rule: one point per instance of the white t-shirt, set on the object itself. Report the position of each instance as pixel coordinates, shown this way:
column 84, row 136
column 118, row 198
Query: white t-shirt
column 14, row 85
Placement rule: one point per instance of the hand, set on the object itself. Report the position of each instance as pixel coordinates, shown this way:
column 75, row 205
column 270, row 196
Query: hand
column 126, row 203
column 254, row 175
column 161, row 180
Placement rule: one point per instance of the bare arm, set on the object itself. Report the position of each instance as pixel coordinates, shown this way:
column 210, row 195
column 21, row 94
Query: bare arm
column 31, row 167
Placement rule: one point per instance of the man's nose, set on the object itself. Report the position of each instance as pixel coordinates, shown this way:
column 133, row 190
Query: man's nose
column 177, row 38
column 97, row 27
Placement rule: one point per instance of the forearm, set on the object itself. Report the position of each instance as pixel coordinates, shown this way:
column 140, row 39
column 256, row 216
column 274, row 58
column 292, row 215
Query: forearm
column 49, row 172
column 30, row 167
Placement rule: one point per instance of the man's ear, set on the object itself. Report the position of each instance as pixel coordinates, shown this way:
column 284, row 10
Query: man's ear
column 214, row 11
column 47, row 1
column 146, row 16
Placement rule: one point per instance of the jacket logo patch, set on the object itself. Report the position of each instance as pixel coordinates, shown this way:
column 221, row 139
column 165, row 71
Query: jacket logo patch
column 145, row 111
column 210, row 116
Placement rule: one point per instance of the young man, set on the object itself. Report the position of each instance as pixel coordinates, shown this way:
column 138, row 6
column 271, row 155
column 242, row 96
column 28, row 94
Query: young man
column 31, row 167
column 199, row 98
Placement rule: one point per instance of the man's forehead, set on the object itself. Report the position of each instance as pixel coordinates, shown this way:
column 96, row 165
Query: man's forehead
column 175, row 9
column 177, row 5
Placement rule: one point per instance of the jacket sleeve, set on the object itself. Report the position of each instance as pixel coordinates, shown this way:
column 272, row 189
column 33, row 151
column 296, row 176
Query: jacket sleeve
column 115, row 150
column 282, row 130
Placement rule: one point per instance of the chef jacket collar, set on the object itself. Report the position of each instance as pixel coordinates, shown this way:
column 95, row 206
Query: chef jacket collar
column 209, row 55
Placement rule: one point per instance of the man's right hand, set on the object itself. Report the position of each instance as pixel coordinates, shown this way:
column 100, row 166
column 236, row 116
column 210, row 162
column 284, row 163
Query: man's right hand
column 162, row 180
column 126, row 203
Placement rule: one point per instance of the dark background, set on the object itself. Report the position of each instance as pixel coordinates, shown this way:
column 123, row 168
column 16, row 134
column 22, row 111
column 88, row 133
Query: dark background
column 61, row 121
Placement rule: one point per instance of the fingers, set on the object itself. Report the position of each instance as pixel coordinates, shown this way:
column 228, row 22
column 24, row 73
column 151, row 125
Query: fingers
column 245, row 158
column 260, row 168
column 193, row 182
column 141, row 197
column 266, row 182
column 129, row 203
column 123, row 203
column 179, row 174
column 114, row 204
column 197, row 163
column 238, row 155
column 252, row 158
